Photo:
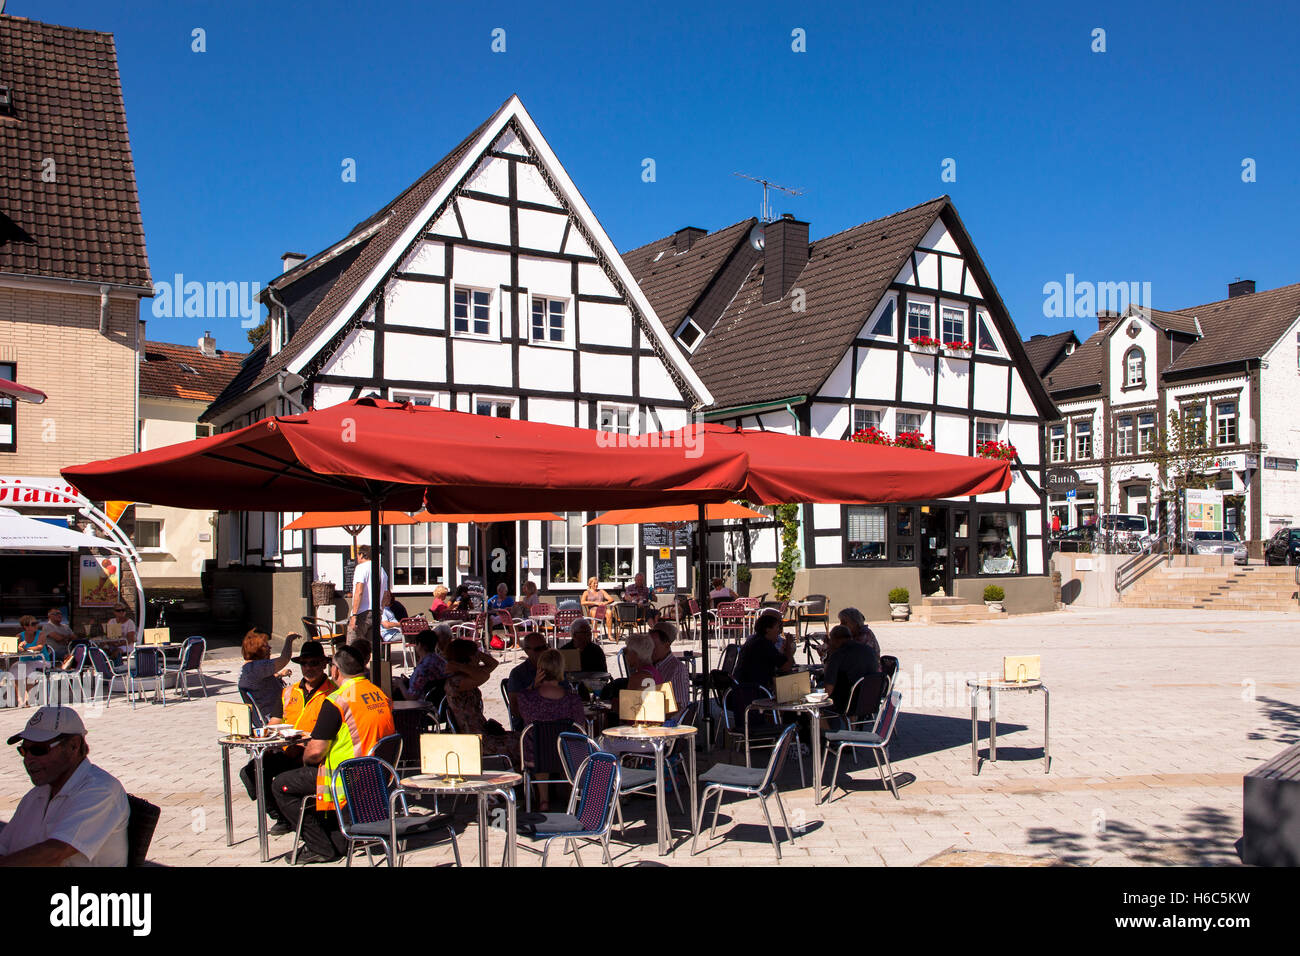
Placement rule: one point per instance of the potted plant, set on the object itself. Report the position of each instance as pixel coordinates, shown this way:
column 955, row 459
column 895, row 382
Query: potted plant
column 993, row 598
column 899, row 608
column 743, row 577
column 924, row 343
column 959, row 349
column 871, row 436
column 913, row 440
column 999, row 450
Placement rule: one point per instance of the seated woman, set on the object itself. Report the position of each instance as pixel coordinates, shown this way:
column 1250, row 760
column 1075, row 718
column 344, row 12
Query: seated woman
column 30, row 639
column 596, row 605
column 260, row 676
column 468, row 669
column 502, row 599
column 528, row 596
column 720, row 591
column 438, row 607
column 431, row 646
column 548, row 699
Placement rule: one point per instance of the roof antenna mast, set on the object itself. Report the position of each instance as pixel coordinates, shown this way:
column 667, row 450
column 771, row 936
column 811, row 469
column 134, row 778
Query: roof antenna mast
column 767, row 215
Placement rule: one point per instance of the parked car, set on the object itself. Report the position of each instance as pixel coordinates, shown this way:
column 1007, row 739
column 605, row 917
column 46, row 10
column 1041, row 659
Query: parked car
column 1128, row 532
column 1219, row 542
column 1283, row 547
column 1076, row 539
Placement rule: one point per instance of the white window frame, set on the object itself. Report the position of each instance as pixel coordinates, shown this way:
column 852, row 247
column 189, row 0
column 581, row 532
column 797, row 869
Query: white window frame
column 687, row 324
column 1051, row 443
column 580, row 547
column 982, row 315
column 566, row 338
column 1234, row 418
column 1134, row 359
column 429, row 549
column 494, row 327
column 1087, row 425
column 1146, row 437
column 617, row 407
column 1125, row 437
column 619, row 531
column 853, row 417
column 998, row 427
column 965, row 322
column 496, row 400
column 885, row 303
column 417, row 397
column 161, row 547
column 929, row 310
column 900, row 428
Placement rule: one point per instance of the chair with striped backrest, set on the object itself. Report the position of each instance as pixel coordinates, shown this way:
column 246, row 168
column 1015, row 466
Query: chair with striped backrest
column 539, row 754
column 368, row 814
column 191, row 662
column 731, row 621
column 564, row 620
column 590, row 815
column 147, row 665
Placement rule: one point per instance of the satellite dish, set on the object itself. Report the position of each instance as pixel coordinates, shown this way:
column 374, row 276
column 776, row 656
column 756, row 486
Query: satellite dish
column 757, row 236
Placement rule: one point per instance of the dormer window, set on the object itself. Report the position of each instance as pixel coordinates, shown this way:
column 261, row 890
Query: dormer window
column 689, row 334
column 1134, row 369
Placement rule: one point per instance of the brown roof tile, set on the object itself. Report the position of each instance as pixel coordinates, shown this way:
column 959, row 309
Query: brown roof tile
column 674, row 281
column 1042, row 349
column 67, row 107
column 184, row 371
column 1240, row 328
column 1082, row 368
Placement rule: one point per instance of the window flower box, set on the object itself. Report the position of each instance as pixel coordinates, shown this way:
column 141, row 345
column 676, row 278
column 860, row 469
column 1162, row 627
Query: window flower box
column 924, row 343
column 959, row 349
column 871, row 436
column 999, row 450
column 913, row 440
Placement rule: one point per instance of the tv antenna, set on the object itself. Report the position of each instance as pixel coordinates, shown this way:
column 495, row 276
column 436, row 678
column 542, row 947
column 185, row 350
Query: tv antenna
column 767, row 184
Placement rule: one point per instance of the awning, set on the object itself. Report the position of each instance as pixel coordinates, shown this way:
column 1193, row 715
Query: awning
column 21, row 533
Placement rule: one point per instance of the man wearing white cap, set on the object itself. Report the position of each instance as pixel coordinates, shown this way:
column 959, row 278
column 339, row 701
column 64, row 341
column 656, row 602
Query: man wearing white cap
column 75, row 814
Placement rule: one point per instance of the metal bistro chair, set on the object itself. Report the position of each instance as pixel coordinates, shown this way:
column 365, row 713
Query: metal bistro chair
column 877, row 741
column 368, row 814
column 563, row 621
column 147, row 664
column 255, row 717
column 387, row 749
column 105, row 673
column 191, row 661
column 547, row 756
column 627, row 617
column 60, row 681
column 731, row 622
column 505, row 622
column 575, row 748
column 723, row 778
column 816, row 611
column 590, row 815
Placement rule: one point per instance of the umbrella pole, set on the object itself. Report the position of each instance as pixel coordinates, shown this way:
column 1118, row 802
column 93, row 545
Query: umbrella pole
column 376, row 592
column 702, row 595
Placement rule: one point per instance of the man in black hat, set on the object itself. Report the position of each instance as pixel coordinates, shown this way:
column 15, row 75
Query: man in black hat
column 302, row 703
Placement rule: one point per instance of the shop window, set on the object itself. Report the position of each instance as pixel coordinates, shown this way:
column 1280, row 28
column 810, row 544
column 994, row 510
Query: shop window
column 904, row 526
column 148, row 534
column 999, row 539
column 8, row 412
column 960, row 550
column 867, row 534
column 564, row 549
column 419, row 554
column 614, row 547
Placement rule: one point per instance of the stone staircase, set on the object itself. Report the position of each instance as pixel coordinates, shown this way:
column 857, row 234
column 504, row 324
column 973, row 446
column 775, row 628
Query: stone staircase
column 1228, row 588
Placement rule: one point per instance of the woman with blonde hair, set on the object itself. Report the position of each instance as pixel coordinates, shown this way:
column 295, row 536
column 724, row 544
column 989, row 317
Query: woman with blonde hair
column 547, row 700
column 438, row 607
column 596, row 605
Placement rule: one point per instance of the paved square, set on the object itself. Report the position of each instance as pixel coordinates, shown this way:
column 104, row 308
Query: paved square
column 1156, row 715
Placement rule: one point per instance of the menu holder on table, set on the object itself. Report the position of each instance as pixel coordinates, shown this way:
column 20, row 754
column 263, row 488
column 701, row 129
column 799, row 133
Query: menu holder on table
column 156, row 635
column 670, row 700
column 386, row 678
column 1018, row 670
column 572, row 661
column 793, row 687
column 451, row 756
column 113, row 630
column 641, row 707
column 9, row 645
column 234, row 720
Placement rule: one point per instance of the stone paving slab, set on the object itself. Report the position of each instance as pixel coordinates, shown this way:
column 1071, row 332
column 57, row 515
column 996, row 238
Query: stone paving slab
column 1156, row 716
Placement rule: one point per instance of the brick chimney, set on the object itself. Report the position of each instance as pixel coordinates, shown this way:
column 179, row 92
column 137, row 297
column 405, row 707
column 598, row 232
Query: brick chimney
column 291, row 259
column 785, row 253
column 207, row 344
column 685, row 237
column 1106, row 318
column 1241, row 287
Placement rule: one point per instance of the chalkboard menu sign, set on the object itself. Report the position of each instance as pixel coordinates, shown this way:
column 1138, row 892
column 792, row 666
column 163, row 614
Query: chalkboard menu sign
column 657, row 536
column 665, row 576
column 477, row 592
column 349, row 573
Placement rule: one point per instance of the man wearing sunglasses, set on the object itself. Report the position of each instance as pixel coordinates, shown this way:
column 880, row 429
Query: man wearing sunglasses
column 75, row 814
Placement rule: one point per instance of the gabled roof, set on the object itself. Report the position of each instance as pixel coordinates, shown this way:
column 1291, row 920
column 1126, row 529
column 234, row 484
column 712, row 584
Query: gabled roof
column 1167, row 321
column 84, row 223
column 1239, row 328
column 760, row 352
column 400, row 225
column 185, row 371
column 1043, row 350
column 1082, row 369
column 675, row 280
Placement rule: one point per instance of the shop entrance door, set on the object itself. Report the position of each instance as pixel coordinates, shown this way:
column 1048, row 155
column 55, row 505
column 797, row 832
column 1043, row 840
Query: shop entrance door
column 936, row 558
column 500, row 556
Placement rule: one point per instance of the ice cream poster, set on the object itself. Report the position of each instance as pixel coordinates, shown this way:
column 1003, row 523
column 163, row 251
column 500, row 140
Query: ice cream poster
column 99, row 581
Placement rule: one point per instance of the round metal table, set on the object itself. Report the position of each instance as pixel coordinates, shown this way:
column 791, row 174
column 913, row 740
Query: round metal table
column 484, row 785
column 657, row 738
column 814, row 712
column 994, row 687
column 256, row 747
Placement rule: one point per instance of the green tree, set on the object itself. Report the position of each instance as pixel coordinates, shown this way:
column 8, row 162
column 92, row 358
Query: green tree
column 258, row 332
column 1185, row 460
column 787, row 517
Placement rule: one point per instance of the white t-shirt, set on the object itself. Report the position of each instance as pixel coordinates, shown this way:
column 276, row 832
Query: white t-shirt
column 362, row 576
column 89, row 814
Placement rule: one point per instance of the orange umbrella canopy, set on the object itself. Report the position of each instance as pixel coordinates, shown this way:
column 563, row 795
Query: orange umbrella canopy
column 344, row 519
column 488, row 519
column 676, row 513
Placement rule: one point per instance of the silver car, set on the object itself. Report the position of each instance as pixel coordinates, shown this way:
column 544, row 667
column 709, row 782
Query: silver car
column 1220, row 542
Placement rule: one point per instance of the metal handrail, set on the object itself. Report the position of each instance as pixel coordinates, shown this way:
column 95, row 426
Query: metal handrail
column 1132, row 570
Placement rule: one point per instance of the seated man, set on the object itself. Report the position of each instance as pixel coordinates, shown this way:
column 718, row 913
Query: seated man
column 120, row 633
column 592, row 657
column 56, row 634
column 671, row 667
column 524, row 676
column 768, row 652
column 847, row 662
column 502, row 599
column 351, row 721
column 302, row 704
column 637, row 593
column 75, row 814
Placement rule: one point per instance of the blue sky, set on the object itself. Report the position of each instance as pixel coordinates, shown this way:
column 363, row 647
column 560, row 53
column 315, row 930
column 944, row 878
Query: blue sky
column 1122, row 166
